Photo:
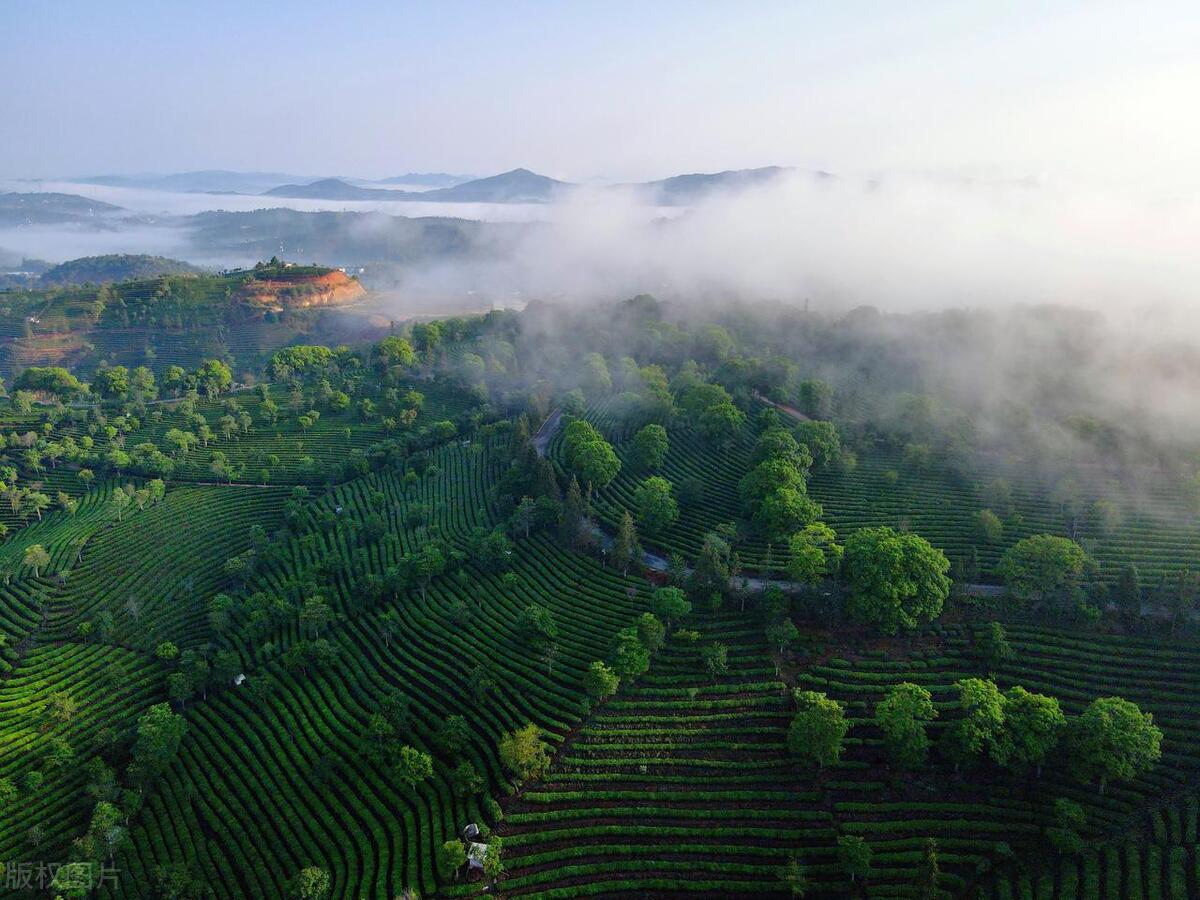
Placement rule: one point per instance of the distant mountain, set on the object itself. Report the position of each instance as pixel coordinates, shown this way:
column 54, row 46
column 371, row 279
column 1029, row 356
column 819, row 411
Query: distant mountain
column 336, row 189
column 524, row 186
column 517, row 186
column 51, row 209
column 214, row 181
column 346, row 238
column 683, row 189
column 113, row 267
column 427, row 179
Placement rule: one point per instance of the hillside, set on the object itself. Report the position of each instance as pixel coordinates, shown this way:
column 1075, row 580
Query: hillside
column 278, row 292
column 51, row 209
column 761, row 650
column 334, row 189
column 517, row 186
column 351, row 238
column 176, row 318
column 113, row 267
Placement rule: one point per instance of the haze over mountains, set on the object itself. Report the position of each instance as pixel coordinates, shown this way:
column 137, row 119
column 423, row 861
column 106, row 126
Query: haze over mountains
column 524, row 186
column 221, row 181
column 516, row 186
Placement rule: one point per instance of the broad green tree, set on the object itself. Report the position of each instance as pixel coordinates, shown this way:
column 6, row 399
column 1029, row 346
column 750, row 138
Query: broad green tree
column 994, row 648
column 1033, row 726
column 715, row 658
column 979, row 727
column 36, row 558
column 158, row 734
column 650, row 446
column 670, row 604
column 818, row 730
column 525, row 753
column 313, row 883
column 451, row 857
column 1043, row 568
column 814, row 554
column 902, row 716
column 854, row 856
column 600, row 681
column 1113, row 740
column 413, row 767
column 896, row 580
column 657, row 509
column 630, row 657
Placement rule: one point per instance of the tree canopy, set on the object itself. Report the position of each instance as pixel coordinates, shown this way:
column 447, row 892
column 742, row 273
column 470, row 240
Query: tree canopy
column 896, row 580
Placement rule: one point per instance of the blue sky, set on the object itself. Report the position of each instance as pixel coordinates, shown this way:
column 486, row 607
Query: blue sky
column 1095, row 91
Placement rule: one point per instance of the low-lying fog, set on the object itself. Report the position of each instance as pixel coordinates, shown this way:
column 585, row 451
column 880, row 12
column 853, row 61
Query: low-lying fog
column 896, row 243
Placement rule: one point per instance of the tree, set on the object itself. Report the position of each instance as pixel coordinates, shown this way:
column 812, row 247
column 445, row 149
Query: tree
column 315, row 614
column 35, row 558
column 781, row 633
column 393, row 351
column 1128, row 592
column 785, row 511
column 770, row 475
column 716, row 659
column 721, row 422
column 930, row 874
column 650, row 447
column 902, row 715
column 493, row 858
column 988, row 527
column 896, row 580
column 180, row 688
column 1033, row 725
column 854, row 856
column 466, row 780
column 111, row 383
column 626, row 549
column 452, row 856
column 413, row 767
column 523, row 516
column 822, row 441
column 1069, row 820
column 213, row 377
column 814, row 554
column 1113, row 739
column 595, row 377
column 670, row 604
column 711, row 573
column 312, row 883
column 651, row 631
column 818, row 730
column 600, row 681
column 815, row 398
column 630, row 658
column 978, row 730
column 525, row 753
column 993, row 646
column 159, row 732
column 537, row 626
column 596, row 463
column 657, row 509
column 794, row 877
column 427, row 563
column 453, row 735
column 389, row 625
column 1043, row 567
